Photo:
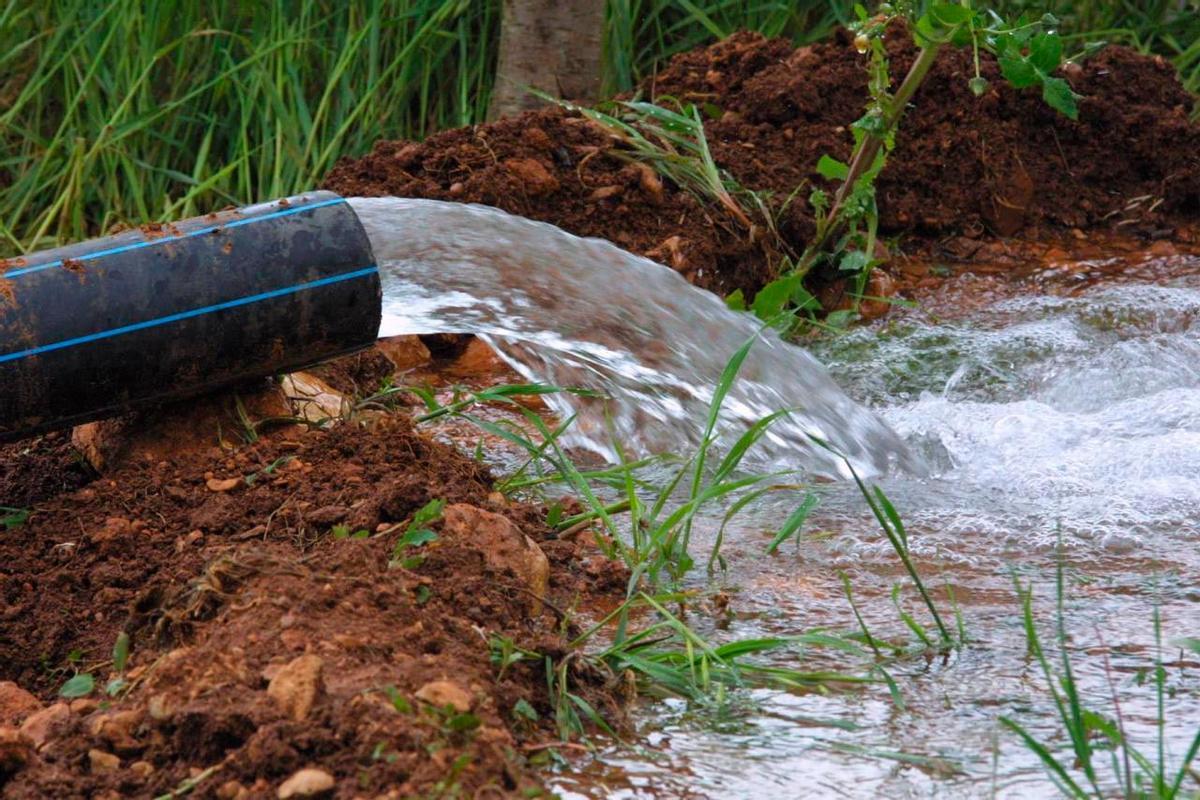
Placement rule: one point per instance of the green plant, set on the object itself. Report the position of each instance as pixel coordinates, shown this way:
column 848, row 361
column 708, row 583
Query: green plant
column 1094, row 737
column 12, row 518
column 847, row 220
column 417, row 533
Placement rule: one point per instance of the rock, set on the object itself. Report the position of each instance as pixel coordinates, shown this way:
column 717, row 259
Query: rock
column 477, row 359
column 503, row 545
column 533, row 175
column 101, row 761
column 16, row 704
column 84, row 705
column 605, row 192
column 230, row 790
column 16, row 749
column 313, row 399
column 445, row 693
column 222, row 485
column 880, row 286
column 405, row 352
column 306, row 783
column 116, row 730
column 143, row 769
column 41, row 724
column 114, row 528
column 159, row 707
column 296, row 687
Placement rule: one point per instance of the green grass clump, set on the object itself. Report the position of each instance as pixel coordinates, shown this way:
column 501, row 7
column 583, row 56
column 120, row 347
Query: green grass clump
column 130, row 111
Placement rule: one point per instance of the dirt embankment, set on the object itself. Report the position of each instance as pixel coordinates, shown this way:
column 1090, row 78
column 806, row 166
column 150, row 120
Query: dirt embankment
column 964, row 170
column 268, row 634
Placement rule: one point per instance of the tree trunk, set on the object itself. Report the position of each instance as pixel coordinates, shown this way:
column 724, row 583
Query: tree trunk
column 549, row 45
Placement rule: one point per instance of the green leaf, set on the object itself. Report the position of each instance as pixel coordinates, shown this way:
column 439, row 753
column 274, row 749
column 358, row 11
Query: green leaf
column 854, row 261
column 115, row 686
column 12, row 518
column 840, row 319
column 979, row 85
column 428, row 513
column 461, row 723
column 1046, row 52
column 736, row 301
column 416, row 538
column 831, row 168
column 950, row 14
column 1187, row 643
column 804, row 300
column 793, row 523
column 523, row 710
column 80, row 686
column 772, row 298
column 1018, row 71
column 1058, row 95
column 121, row 652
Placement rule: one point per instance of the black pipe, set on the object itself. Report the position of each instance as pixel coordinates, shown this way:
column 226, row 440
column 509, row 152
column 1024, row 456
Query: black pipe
column 166, row 311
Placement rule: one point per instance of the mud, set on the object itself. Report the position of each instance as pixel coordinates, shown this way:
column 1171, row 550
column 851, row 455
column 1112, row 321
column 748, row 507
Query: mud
column 964, row 170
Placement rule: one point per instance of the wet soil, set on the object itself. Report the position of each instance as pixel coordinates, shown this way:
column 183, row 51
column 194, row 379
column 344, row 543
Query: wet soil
column 965, row 170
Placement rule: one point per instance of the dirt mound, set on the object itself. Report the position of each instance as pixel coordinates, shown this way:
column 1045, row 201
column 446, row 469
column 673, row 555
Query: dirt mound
column 270, row 635
column 963, row 166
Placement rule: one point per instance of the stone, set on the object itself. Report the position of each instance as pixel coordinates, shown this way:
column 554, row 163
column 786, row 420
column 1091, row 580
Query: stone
column 312, row 399
column 116, row 729
column 159, row 707
column 16, row 704
column 143, row 769
column 308, row 782
column 503, row 545
column 405, row 352
column 16, row 749
column 445, row 693
column 880, row 286
column 222, row 485
column 230, row 790
column 41, row 724
column 101, row 761
column 295, row 688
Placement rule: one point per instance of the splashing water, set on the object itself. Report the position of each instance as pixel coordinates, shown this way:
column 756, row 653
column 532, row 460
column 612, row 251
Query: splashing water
column 583, row 313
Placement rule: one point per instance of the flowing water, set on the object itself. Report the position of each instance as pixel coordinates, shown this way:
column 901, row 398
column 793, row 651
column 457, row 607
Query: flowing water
column 1039, row 423
column 583, row 313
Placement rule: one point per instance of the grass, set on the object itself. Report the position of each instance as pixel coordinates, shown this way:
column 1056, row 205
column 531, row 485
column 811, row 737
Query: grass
column 1097, row 740
column 125, row 112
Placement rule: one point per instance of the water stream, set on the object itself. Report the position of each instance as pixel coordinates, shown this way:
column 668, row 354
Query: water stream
column 1031, row 424
column 583, row 313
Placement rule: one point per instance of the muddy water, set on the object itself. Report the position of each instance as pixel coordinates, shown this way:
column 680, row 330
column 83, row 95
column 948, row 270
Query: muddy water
column 1043, row 422
column 1046, row 419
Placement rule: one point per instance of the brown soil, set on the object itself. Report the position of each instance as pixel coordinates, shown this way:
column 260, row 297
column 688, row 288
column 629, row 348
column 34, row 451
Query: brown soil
column 219, row 589
column 964, row 168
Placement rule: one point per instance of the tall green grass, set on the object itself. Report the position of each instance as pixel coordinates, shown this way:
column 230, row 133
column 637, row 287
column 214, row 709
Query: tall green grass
column 127, row 111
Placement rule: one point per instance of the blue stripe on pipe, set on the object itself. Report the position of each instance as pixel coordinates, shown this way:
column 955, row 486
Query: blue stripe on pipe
column 163, row 240
column 196, row 312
